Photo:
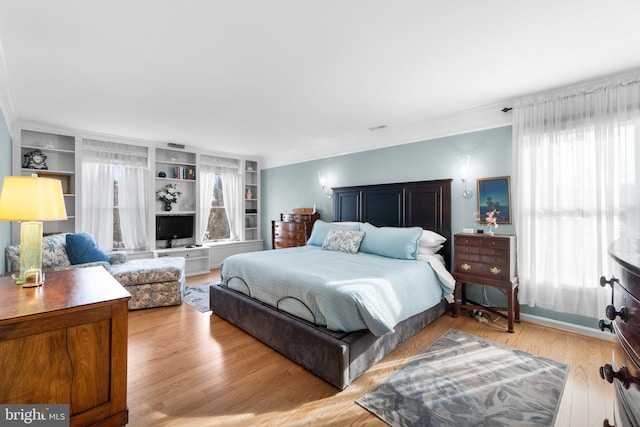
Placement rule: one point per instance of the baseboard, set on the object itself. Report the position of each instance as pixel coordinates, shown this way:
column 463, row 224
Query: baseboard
column 578, row 329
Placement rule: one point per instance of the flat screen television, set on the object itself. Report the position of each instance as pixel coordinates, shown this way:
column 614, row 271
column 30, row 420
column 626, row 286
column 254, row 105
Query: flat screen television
column 174, row 227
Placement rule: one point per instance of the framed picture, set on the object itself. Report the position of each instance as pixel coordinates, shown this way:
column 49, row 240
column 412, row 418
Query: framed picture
column 495, row 193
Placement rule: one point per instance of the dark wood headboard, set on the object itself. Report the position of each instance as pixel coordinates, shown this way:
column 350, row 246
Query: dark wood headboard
column 425, row 204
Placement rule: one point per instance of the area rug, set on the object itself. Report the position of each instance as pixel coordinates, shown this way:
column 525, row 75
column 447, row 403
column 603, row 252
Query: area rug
column 463, row 380
column 197, row 296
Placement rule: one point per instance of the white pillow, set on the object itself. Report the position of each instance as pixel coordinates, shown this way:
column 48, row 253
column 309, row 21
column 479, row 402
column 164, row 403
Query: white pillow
column 429, row 239
column 426, row 250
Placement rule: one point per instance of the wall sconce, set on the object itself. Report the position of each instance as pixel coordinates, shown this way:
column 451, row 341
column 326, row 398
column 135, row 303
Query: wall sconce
column 463, row 169
column 323, row 184
column 31, row 200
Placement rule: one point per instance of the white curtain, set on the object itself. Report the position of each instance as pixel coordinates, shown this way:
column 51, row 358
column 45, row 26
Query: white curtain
column 229, row 171
column 132, row 206
column 231, row 196
column 206, row 178
column 102, row 163
column 97, row 203
column 576, row 183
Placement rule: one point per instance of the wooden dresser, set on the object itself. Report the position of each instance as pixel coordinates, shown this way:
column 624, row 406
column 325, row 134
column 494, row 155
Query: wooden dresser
column 66, row 343
column 624, row 314
column 488, row 260
column 293, row 229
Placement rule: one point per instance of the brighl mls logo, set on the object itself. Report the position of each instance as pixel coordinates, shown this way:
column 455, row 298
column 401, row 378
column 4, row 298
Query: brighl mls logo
column 34, row 415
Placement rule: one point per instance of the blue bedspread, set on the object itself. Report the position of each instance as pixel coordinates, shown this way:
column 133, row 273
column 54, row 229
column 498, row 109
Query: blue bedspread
column 344, row 292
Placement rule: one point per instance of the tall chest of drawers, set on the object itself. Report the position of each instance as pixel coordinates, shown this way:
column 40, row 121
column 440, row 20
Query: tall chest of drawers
column 624, row 314
column 488, row 260
column 293, row 229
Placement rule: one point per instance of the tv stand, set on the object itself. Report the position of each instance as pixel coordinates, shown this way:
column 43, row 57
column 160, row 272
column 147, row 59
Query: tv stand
column 196, row 259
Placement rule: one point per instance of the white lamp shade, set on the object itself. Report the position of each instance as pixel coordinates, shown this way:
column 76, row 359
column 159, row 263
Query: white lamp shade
column 32, row 198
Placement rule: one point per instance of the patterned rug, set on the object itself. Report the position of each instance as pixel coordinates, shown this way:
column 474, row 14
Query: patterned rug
column 463, row 380
column 197, row 296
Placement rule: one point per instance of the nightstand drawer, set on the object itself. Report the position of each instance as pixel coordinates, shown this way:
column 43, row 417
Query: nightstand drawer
column 499, row 270
column 486, row 259
column 483, row 241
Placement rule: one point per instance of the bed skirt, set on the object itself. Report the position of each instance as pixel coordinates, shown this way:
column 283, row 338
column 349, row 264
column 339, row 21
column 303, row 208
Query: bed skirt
column 336, row 357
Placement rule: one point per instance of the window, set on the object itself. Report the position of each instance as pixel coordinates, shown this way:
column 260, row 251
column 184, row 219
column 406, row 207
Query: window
column 220, row 201
column 575, row 167
column 218, row 222
column 114, row 194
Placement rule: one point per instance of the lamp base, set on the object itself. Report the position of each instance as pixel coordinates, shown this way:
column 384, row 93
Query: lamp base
column 30, row 249
column 33, row 278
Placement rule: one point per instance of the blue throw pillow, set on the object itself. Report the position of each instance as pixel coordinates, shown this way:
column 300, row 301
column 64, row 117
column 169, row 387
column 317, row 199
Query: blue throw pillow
column 83, row 249
column 321, row 229
column 391, row 242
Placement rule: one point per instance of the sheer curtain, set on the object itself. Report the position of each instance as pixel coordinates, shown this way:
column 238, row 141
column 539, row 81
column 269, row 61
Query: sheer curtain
column 132, row 206
column 206, row 178
column 575, row 162
column 102, row 163
column 229, row 171
column 97, row 202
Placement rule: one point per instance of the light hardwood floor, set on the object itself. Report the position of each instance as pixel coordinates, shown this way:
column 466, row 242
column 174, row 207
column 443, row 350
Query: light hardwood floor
column 188, row 368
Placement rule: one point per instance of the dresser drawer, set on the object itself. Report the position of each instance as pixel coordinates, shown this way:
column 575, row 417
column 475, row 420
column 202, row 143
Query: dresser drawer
column 293, row 217
column 628, row 398
column 286, row 243
column 628, row 330
column 299, row 237
column 289, row 226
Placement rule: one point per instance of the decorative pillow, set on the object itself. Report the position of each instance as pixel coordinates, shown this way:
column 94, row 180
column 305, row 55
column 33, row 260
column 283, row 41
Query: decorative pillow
column 321, row 229
column 343, row 241
column 430, row 239
column 83, row 249
column 391, row 242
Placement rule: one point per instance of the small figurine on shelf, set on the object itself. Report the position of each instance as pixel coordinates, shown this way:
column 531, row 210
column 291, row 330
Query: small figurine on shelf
column 168, row 195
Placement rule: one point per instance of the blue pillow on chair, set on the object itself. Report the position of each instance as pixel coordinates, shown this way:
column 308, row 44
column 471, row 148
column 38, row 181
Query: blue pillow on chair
column 83, row 249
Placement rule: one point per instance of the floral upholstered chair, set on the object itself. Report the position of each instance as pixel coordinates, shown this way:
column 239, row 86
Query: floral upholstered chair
column 154, row 282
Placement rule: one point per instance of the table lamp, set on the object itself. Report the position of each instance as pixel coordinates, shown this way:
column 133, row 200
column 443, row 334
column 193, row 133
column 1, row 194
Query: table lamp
column 31, row 200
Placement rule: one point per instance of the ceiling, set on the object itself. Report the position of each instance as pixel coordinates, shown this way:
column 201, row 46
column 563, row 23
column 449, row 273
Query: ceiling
column 258, row 77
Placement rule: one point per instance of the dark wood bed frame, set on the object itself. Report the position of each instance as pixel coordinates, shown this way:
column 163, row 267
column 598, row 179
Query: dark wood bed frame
column 340, row 357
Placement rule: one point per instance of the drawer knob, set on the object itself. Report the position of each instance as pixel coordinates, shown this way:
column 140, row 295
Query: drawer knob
column 602, row 324
column 495, row 270
column 623, row 375
column 466, row 267
column 604, row 282
column 611, row 313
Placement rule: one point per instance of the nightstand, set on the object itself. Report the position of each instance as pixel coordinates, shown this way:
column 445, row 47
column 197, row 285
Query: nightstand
column 488, row 260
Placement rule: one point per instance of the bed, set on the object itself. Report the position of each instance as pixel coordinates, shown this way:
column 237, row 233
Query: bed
column 337, row 353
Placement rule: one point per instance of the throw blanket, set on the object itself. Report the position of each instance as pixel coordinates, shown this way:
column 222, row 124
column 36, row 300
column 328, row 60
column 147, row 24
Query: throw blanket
column 344, row 292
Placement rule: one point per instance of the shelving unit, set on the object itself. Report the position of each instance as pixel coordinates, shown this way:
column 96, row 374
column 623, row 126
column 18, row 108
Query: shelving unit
column 251, row 201
column 196, row 259
column 60, row 152
column 168, row 165
column 178, row 168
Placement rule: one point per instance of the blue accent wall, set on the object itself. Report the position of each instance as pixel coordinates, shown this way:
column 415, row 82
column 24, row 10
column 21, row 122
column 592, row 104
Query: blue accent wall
column 297, row 185
column 5, row 169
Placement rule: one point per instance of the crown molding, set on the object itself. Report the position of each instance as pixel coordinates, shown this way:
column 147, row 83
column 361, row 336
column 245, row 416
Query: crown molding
column 471, row 120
